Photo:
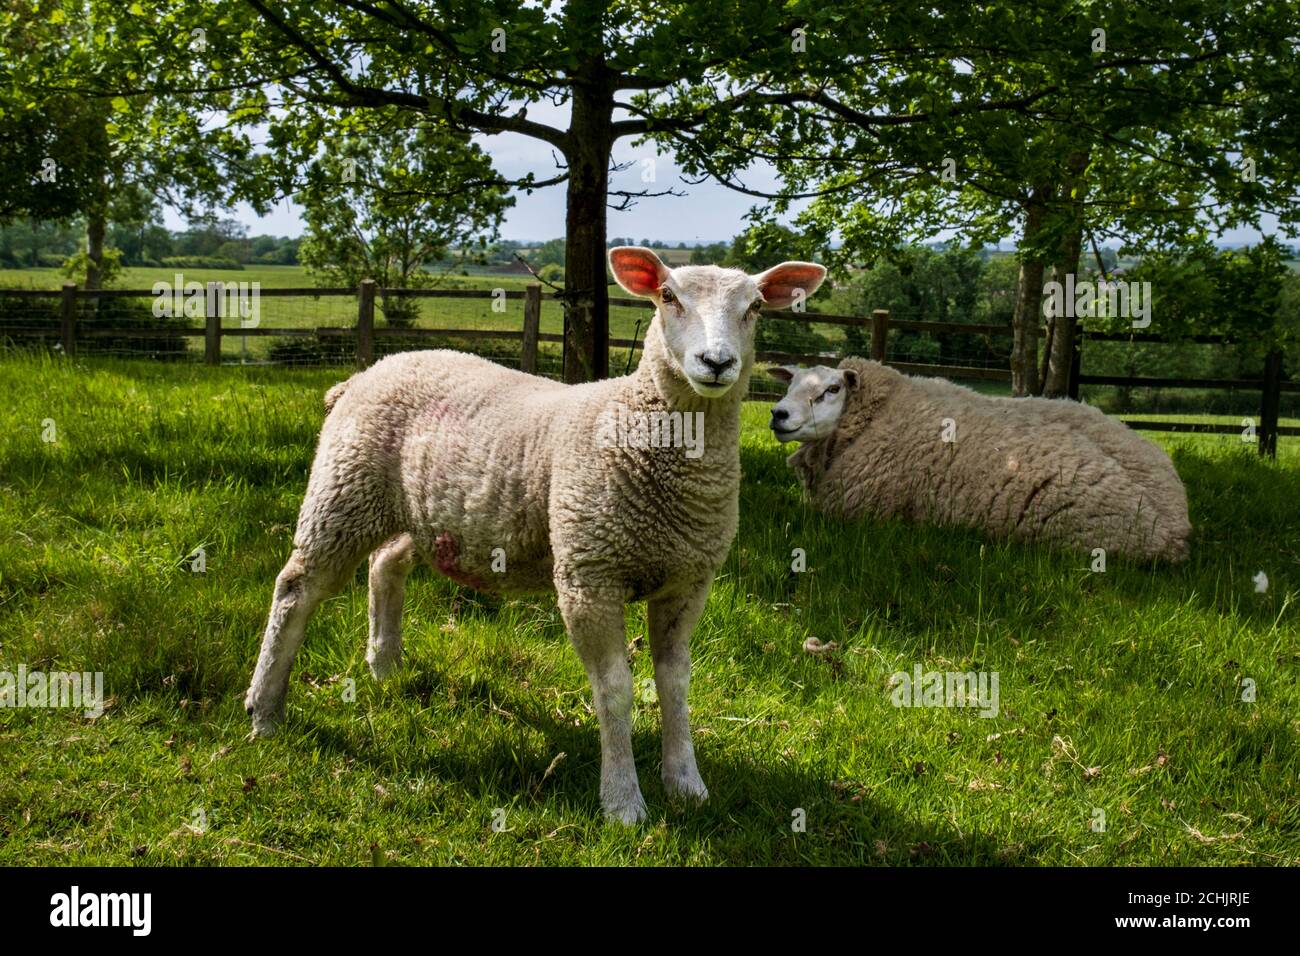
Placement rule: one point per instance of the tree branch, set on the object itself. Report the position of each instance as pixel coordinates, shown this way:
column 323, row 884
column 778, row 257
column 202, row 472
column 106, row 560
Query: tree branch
column 357, row 94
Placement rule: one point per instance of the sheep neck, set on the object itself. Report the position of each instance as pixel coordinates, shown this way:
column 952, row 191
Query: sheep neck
column 658, row 382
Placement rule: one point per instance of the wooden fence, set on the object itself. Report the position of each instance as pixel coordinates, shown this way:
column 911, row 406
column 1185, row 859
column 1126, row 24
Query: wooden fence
column 877, row 325
column 1271, row 385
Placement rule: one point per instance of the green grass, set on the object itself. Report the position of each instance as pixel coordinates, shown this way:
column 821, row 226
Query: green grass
column 335, row 311
column 271, row 277
column 1136, row 672
column 133, row 277
column 296, row 312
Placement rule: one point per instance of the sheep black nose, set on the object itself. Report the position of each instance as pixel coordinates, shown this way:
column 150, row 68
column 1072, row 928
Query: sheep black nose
column 716, row 367
column 779, row 414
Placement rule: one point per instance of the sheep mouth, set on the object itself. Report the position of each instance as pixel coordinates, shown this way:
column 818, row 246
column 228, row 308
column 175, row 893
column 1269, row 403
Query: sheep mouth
column 785, row 434
column 710, row 388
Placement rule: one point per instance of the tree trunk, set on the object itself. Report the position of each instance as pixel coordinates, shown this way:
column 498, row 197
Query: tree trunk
column 586, row 294
column 96, row 225
column 1049, row 336
column 1060, row 352
column 97, row 216
column 1056, row 381
column 1029, row 300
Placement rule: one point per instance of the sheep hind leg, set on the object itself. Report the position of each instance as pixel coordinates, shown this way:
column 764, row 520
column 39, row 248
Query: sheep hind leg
column 299, row 589
column 594, row 619
column 389, row 565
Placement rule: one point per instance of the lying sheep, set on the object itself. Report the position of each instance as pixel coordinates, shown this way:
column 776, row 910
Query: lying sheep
column 881, row 443
column 515, row 484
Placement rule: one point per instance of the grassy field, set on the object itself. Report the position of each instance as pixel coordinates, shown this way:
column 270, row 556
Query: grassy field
column 311, row 312
column 297, row 312
column 270, row 277
column 1121, row 693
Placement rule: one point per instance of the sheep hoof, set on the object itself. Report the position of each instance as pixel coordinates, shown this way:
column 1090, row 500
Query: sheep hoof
column 628, row 810
column 686, row 786
column 381, row 668
column 265, row 724
column 263, row 728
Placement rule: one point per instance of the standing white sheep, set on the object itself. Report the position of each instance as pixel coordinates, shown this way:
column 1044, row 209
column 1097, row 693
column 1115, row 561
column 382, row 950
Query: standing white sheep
column 1033, row 469
column 607, row 492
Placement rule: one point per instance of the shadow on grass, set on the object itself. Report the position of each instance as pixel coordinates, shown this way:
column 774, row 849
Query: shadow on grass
column 749, row 818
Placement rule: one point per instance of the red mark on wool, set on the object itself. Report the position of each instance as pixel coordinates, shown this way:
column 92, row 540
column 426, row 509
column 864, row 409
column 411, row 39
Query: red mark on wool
column 446, row 555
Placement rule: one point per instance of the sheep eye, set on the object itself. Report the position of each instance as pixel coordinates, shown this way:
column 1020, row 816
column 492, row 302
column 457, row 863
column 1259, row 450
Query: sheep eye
column 834, row 389
column 756, row 306
column 666, row 295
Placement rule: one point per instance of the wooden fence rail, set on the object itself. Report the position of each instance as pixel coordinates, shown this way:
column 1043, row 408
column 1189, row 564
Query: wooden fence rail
column 1271, row 386
column 877, row 325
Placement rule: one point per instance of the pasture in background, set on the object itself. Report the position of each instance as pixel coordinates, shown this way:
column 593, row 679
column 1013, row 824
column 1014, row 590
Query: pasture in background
column 1191, row 383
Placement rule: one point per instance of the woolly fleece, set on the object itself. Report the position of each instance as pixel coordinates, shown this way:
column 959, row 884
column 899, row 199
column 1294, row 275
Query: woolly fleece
column 1031, row 469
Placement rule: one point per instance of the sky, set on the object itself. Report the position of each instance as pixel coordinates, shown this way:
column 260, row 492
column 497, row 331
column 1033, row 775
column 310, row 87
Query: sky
column 708, row 212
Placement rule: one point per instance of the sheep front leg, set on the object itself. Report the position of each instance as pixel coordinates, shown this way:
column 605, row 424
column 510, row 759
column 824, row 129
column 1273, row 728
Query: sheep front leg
column 389, row 566
column 594, row 618
column 671, row 621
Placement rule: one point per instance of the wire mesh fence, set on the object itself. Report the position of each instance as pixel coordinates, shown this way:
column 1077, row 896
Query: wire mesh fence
column 221, row 323
column 30, row 320
column 107, row 324
column 915, row 339
column 1235, row 369
column 320, row 327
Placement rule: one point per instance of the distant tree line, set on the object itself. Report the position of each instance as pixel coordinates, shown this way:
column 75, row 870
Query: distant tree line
column 221, row 243
column 754, row 250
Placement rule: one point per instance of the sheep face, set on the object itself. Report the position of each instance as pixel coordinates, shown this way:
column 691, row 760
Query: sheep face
column 707, row 315
column 813, row 403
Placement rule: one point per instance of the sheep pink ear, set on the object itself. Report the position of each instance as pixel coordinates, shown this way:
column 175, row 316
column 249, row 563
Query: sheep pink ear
column 781, row 373
column 637, row 269
column 781, row 285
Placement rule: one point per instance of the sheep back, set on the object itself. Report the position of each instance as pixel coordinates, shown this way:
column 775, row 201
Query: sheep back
column 504, row 483
column 1025, row 468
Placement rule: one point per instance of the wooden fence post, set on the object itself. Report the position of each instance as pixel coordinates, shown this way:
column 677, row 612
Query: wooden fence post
column 366, row 324
column 1270, row 403
column 212, row 328
column 68, row 319
column 1076, row 363
column 532, row 326
column 879, row 330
